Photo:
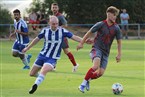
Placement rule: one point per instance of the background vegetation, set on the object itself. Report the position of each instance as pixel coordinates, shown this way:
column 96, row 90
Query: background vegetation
column 5, row 18
column 90, row 11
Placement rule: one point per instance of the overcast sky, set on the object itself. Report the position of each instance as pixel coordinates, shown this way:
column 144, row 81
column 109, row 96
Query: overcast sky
column 16, row 4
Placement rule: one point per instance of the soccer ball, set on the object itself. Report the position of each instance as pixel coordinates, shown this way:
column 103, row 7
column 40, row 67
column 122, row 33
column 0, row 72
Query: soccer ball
column 117, row 88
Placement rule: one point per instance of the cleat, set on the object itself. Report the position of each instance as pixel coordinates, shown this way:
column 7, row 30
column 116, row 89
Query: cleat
column 75, row 68
column 88, row 86
column 29, row 57
column 33, row 89
column 82, row 88
column 26, row 67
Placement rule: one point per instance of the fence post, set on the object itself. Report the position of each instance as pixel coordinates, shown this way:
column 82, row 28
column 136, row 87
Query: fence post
column 138, row 32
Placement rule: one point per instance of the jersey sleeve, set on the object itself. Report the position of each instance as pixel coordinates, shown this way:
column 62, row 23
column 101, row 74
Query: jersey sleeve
column 67, row 33
column 41, row 34
column 118, row 33
column 62, row 20
column 96, row 27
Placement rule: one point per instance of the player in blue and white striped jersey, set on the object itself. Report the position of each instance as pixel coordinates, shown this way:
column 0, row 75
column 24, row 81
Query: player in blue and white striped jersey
column 22, row 39
column 47, row 59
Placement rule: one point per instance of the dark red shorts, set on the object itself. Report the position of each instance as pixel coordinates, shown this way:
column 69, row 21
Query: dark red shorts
column 65, row 43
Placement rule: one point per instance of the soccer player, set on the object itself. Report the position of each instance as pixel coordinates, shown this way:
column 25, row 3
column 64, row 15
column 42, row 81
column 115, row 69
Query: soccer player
column 22, row 39
column 50, row 53
column 65, row 45
column 106, row 31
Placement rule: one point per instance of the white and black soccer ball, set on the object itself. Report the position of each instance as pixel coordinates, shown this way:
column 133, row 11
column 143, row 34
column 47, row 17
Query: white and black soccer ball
column 117, row 88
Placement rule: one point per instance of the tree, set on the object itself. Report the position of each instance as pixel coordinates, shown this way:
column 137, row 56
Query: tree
column 91, row 11
column 6, row 18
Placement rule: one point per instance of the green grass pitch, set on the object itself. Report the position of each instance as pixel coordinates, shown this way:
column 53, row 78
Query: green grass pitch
column 15, row 82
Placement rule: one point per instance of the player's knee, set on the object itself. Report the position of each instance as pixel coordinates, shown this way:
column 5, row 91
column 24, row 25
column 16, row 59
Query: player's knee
column 31, row 74
column 100, row 74
column 15, row 55
column 66, row 51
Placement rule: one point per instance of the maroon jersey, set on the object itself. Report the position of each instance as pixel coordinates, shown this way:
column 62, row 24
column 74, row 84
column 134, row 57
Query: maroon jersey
column 105, row 35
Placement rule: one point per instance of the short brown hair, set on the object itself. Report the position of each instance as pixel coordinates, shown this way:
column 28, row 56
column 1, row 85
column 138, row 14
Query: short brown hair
column 113, row 10
column 16, row 11
column 54, row 4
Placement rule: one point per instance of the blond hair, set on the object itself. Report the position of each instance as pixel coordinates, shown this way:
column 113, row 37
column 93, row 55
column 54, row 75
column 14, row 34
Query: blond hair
column 113, row 10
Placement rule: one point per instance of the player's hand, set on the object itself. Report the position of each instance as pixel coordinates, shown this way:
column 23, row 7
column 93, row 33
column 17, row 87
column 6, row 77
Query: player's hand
column 89, row 41
column 10, row 37
column 80, row 45
column 118, row 58
column 18, row 31
column 24, row 50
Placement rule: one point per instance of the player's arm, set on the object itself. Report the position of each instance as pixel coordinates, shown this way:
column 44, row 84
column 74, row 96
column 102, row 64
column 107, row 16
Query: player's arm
column 23, row 33
column 119, row 47
column 86, row 36
column 24, row 29
column 12, row 34
column 76, row 38
column 63, row 21
column 86, row 39
column 128, row 17
column 34, row 42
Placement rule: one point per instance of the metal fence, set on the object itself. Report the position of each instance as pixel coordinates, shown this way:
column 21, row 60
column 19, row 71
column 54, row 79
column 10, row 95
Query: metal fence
column 134, row 30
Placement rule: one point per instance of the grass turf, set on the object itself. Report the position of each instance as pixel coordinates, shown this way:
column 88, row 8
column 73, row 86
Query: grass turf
column 15, row 82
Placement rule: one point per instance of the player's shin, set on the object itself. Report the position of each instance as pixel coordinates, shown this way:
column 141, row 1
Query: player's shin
column 89, row 74
column 39, row 79
column 71, row 58
column 95, row 75
column 25, row 61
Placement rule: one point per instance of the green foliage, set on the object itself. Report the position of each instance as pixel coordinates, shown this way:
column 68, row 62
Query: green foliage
column 6, row 18
column 91, row 11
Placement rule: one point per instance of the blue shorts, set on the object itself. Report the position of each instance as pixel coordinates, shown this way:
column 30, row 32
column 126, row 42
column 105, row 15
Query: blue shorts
column 17, row 47
column 103, row 57
column 41, row 60
column 65, row 43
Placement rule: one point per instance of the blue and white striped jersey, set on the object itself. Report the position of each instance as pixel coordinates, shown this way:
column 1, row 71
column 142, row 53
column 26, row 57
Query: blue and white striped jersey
column 21, row 26
column 53, row 41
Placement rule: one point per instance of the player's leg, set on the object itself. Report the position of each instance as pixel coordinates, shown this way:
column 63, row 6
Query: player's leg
column 23, row 56
column 103, row 66
column 34, row 71
column 89, row 74
column 125, row 30
column 15, row 50
column 47, row 67
column 96, row 56
column 37, row 66
column 15, row 54
column 100, row 71
column 72, row 59
column 65, row 48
